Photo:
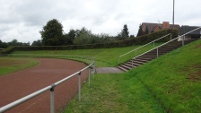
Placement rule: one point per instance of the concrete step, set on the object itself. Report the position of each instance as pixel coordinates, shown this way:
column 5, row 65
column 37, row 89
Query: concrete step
column 137, row 62
column 121, row 68
column 126, row 67
column 155, row 53
column 142, row 60
column 151, row 55
column 129, row 65
column 133, row 64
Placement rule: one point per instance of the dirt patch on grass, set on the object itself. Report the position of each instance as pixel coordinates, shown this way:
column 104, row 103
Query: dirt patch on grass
column 198, row 46
column 194, row 72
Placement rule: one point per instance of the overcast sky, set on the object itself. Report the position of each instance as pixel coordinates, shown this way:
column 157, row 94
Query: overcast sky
column 23, row 19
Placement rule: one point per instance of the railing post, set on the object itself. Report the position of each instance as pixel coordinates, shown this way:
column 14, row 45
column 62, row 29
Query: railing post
column 153, row 44
column 118, row 60
column 183, row 40
column 89, row 76
column 135, row 52
column 170, row 36
column 200, row 33
column 52, row 99
column 93, row 69
column 157, row 51
column 79, row 86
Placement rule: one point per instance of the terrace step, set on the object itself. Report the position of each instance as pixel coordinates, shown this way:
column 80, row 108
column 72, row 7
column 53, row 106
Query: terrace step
column 122, row 68
column 142, row 60
column 149, row 56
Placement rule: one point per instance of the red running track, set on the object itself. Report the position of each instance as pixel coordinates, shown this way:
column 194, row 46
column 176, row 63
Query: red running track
column 19, row 84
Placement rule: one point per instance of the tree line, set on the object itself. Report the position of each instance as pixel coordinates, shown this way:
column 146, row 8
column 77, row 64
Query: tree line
column 14, row 42
column 52, row 35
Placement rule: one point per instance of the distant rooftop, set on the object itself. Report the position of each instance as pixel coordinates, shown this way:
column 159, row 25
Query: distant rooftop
column 186, row 28
column 152, row 26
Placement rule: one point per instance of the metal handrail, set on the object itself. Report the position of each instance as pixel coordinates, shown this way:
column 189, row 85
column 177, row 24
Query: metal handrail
column 143, row 46
column 168, row 42
column 51, row 88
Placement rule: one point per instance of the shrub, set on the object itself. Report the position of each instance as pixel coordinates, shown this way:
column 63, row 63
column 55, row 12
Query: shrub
column 7, row 50
column 120, row 43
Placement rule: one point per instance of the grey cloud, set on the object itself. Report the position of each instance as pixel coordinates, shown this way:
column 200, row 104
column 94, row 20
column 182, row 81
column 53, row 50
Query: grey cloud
column 98, row 15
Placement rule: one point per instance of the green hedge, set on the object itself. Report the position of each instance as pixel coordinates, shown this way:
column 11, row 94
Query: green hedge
column 121, row 43
column 7, row 50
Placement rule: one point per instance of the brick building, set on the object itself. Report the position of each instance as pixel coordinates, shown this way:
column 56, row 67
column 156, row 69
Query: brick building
column 153, row 27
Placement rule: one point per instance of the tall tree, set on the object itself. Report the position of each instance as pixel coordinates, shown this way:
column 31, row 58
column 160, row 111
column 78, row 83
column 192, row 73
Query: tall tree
column 132, row 36
column 52, row 33
column 140, row 32
column 83, row 36
column 3, row 44
column 71, row 36
column 125, row 33
column 37, row 43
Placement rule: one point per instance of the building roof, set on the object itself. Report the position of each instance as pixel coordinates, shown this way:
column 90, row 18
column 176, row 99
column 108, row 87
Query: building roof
column 185, row 29
column 152, row 26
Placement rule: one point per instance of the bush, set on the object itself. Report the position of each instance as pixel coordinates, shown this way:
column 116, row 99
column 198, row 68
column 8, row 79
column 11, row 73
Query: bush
column 7, row 50
column 120, row 43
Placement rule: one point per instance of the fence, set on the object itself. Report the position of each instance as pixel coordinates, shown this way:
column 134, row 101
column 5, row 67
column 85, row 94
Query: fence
column 90, row 67
column 136, row 49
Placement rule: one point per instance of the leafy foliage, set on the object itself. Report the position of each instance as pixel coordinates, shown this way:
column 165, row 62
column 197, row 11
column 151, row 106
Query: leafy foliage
column 37, row 43
column 108, row 43
column 3, row 44
column 52, row 33
column 125, row 33
column 140, row 31
column 84, row 36
column 14, row 42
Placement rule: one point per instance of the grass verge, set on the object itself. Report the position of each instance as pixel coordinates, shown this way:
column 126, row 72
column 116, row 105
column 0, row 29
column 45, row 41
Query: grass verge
column 170, row 83
column 106, row 57
column 9, row 65
column 175, row 79
column 113, row 94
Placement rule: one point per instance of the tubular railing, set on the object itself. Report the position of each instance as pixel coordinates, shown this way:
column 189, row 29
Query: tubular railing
column 91, row 68
column 157, row 52
column 134, row 50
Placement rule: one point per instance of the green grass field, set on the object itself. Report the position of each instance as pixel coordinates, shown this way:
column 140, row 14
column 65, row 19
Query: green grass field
column 103, row 57
column 9, row 65
column 170, row 83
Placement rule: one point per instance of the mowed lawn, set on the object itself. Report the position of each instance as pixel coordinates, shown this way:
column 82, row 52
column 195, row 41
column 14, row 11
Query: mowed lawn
column 9, row 65
column 105, row 57
column 171, row 83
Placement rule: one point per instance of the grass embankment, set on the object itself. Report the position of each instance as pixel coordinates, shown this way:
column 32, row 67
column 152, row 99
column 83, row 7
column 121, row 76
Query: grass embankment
column 9, row 65
column 113, row 93
column 103, row 57
column 170, row 83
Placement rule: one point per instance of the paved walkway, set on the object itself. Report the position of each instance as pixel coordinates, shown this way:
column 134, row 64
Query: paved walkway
column 108, row 70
